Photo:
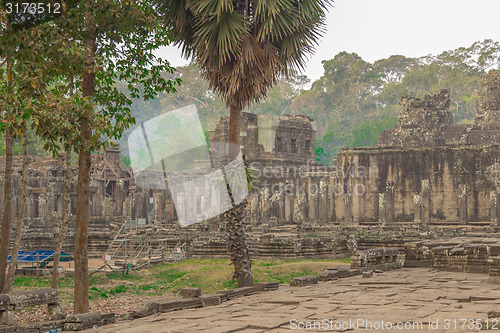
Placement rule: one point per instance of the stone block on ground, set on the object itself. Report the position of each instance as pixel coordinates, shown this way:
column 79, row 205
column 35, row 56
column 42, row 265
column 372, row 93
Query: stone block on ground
column 4, row 302
column 168, row 305
column 82, row 321
column 238, row 292
column 142, row 311
column 152, row 307
column 34, row 297
column 210, row 300
column 6, row 317
column 303, row 281
column 42, row 326
column 327, row 276
column 190, row 292
column 338, row 267
column 354, row 272
column 343, row 273
column 368, row 274
column 55, row 312
column 266, row 286
column 478, row 269
column 190, row 303
column 108, row 318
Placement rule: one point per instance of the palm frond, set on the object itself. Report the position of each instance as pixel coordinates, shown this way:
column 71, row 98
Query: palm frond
column 218, row 38
column 243, row 47
column 211, row 7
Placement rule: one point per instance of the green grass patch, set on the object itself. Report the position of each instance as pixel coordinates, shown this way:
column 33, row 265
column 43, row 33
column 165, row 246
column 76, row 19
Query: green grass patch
column 26, row 282
column 210, row 275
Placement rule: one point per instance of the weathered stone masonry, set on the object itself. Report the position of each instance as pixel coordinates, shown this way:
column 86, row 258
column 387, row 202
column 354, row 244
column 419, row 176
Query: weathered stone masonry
column 426, row 169
column 282, row 149
column 113, row 199
column 277, row 143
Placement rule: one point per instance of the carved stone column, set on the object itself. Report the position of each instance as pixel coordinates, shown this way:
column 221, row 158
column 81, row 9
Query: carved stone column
column 494, row 175
column 462, row 203
column 426, row 202
column 494, row 208
column 382, row 211
column 417, row 209
column 389, row 192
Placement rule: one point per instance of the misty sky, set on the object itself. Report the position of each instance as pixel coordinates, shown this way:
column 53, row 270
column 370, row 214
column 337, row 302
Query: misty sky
column 377, row 29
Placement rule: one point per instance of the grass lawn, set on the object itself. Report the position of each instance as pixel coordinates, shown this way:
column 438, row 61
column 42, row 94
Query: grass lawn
column 210, row 275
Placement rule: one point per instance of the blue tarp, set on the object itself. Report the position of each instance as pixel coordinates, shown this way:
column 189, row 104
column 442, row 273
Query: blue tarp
column 43, row 255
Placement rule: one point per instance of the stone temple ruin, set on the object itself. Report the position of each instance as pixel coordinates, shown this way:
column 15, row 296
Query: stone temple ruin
column 427, row 169
column 281, row 147
column 426, row 172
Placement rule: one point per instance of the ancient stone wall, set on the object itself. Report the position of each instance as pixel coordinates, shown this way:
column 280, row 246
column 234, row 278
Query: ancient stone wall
column 427, row 185
column 292, row 187
column 421, row 122
column 113, row 199
column 281, row 148
column 427, row 170
column 270, row 139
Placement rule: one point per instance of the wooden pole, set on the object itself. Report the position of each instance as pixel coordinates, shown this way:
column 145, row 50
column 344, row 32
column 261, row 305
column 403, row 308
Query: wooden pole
column 37, row 264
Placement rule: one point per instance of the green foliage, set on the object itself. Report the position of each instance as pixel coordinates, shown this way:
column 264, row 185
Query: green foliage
column 29, row 282
column 364, row 134
column 357, row 100
column 210, row 275
column 127, row 34
column 126, row 161
column 368, row 132
column 118, row 290
column 279, row 99
column 354, row 95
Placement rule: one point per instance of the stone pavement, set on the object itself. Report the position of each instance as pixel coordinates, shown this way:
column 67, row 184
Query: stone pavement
column 419, row 297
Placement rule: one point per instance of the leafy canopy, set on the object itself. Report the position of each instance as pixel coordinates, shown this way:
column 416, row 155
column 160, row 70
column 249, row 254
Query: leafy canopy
column 127, row 33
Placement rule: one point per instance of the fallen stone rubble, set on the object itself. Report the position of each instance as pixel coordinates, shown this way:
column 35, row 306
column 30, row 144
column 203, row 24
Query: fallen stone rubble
column 479, row 255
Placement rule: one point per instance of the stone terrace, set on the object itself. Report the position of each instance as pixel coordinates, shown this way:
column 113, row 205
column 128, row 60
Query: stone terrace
column 417, row 295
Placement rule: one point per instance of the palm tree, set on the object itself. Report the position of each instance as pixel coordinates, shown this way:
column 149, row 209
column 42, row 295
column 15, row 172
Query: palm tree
column 243, row 47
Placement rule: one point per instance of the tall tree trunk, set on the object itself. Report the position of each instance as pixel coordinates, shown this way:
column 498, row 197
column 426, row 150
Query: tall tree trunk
column 234, row 131
column 65, row 220
column 7, row 202
column 237, row 244
column 20, row 215
column 81, row 294
column 235, row 218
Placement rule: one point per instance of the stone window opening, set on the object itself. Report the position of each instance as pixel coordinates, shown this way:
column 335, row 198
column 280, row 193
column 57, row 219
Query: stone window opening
column 280, row 145
column 58, row 207
column 293, row 144
column 36, row 206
